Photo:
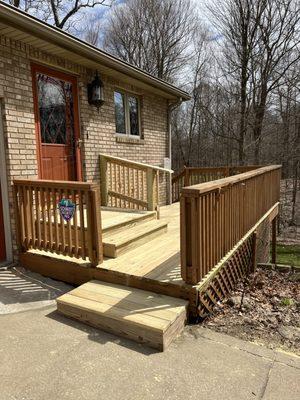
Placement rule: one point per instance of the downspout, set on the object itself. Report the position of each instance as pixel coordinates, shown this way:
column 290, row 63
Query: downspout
column 4, row 189
column 171, row 107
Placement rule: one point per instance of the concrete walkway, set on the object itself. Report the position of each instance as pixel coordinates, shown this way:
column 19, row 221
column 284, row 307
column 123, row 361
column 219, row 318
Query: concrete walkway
column 46, row 356
column 22, row 290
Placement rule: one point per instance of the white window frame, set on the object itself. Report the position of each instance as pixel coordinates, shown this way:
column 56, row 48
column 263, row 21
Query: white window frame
column 127, row 116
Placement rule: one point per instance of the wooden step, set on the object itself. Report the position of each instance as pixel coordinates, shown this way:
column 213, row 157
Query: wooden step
column 135, row 314
column 117, row 243
column 126, row 219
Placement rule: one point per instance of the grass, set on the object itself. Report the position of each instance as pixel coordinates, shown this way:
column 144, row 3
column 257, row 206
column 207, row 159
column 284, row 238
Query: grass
column 288, row 254
column 287, row 302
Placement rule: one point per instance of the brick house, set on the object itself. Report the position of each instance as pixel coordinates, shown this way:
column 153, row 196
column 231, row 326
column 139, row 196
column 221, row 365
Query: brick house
column 48, row 128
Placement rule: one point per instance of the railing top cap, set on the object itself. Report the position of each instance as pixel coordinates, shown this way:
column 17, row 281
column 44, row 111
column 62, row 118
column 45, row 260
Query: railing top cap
column 136, row 163
column 55, row 184
column 223, row 182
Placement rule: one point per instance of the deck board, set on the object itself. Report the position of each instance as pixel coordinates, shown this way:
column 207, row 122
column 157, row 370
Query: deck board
column 158, row 259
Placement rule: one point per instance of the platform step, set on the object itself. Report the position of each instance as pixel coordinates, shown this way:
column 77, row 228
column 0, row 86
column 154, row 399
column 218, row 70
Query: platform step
column 142, row 316
column 116, row 243
column 126, row 220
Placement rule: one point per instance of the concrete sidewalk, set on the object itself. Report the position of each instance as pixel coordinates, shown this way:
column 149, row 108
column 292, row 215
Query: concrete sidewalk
column 46, row 356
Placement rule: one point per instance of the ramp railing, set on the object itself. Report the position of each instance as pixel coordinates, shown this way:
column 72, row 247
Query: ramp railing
column 217, row 214
column 194, row 175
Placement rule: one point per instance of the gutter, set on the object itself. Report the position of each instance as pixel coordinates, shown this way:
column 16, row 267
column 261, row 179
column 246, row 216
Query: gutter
column 171, row 107
column 20, row 20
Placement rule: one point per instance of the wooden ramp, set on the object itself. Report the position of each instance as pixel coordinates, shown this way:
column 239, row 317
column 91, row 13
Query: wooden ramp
column 136, row 314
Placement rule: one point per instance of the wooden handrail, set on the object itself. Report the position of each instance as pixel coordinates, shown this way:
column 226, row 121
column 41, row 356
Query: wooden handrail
column 129, row 184
column 196, row 175
column 41, row 226
column 55, row 184
column 224, row 182
column 136, row 163
column 216, row 215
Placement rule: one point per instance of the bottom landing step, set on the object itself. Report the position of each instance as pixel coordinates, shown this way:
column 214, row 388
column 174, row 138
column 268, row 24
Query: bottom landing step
column 136, row 314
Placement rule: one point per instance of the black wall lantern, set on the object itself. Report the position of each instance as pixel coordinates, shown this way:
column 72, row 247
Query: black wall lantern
column 96, row 92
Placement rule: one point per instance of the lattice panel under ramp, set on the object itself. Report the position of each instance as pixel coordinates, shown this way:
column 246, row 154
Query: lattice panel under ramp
column 224, row 278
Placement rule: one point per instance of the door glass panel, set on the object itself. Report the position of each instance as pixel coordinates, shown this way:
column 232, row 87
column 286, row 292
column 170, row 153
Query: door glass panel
column 55, row 102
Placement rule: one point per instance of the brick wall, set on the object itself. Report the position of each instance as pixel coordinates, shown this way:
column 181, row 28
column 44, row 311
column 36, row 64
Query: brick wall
column 151, row 150
column 97, row 129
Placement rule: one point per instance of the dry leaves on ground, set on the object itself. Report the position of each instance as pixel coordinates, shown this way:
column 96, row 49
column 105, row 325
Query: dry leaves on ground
column 264, row 308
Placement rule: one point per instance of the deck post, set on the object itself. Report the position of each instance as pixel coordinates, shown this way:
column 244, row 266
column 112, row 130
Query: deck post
column 254, row 252
column 17, row 210
column 151, row 174
column 97, row 227
column 103, row 180
column 186, row 176
column 274, row 240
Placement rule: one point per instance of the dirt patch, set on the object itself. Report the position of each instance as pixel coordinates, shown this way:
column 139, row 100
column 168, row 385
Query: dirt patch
column 265, row 309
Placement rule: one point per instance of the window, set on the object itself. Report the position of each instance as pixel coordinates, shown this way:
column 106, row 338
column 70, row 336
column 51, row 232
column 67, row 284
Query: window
column 127, row 111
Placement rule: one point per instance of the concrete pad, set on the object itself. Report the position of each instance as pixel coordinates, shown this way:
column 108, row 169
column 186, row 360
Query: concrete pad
column 289, row 359
column 22, row 290
column 47, row 356
column 283, row 383
column 44, row 355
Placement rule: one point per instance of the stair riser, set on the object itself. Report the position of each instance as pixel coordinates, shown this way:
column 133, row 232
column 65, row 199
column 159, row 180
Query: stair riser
column 157, row 340
column 112, row 251
column 137, row 334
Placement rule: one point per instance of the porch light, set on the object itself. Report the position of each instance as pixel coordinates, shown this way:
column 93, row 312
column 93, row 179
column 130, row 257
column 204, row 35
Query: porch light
column 96, row 92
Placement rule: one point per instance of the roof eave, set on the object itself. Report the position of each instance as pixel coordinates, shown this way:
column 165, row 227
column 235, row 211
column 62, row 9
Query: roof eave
column 28, row 23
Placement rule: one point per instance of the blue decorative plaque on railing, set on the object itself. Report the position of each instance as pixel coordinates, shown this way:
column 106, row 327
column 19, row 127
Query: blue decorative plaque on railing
column 67, row 209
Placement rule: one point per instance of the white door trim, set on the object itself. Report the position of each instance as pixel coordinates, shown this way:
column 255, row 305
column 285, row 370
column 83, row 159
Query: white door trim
column 4, row 191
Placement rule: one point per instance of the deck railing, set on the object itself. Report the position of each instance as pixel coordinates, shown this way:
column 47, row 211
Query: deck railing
column 129, row 184
column 216, row 215
column 40, row 224
column 194, row 175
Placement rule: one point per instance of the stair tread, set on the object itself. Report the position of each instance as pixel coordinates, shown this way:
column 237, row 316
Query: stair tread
column 130, row 233
column 130, row 307
column 127, row 218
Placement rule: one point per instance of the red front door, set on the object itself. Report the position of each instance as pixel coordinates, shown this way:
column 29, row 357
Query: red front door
column 57, row 124
column 2, row 233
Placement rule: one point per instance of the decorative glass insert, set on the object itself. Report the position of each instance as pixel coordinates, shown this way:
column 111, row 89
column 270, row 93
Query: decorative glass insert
column 120, row 113
column 55, row 101
column 134, row 115
column 127, row 114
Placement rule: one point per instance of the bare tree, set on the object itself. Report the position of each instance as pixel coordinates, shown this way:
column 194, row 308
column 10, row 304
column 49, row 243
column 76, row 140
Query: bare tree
column 92, row 33
column 151, row 34
column 238, row 21
column 261, row 39
column 276, row 52
column 61, row 13
column 190, row 123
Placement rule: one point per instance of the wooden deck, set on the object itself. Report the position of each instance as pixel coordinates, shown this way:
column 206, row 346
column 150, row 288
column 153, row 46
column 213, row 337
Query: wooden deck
column 153, row 265
column 196, row 253
column 159, row 259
